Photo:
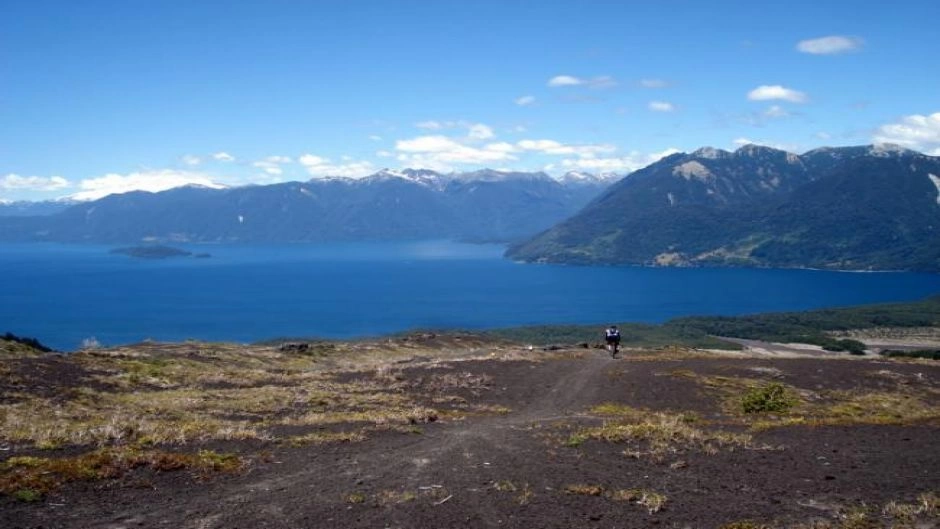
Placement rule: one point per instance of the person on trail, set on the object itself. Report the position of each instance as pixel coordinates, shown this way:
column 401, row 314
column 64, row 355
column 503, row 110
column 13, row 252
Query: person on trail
column 612, row 336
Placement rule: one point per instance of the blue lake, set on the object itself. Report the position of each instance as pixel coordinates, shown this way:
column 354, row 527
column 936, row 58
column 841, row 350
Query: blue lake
column 62, row 294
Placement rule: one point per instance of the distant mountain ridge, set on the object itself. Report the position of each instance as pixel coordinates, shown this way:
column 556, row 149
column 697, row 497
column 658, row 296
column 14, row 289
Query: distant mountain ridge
column 25, row 208
column 871, row 207
column 485, row 205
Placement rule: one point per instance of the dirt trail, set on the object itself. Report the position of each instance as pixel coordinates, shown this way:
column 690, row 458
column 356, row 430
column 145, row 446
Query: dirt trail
column 441, row 460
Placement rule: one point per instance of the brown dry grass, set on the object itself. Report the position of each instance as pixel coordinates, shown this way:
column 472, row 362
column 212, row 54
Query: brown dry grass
column 27, row 477
column 656, row 433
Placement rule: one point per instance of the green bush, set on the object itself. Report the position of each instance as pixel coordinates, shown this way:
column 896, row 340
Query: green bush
column 930, row 354
column 771, row 398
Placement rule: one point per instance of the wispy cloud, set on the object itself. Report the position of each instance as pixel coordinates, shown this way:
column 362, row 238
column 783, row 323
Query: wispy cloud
column 653, row 83
column 375, row 137
column 191, row 159
column 151, row 180
column 557, row 148
column 619, row 164
column 564, row 80
column 479, row 131
column 830, row 45
column 223, row 156
column 772, row 92
column 33, row 183
column 916, row 131
column 272, row 164
column 524, row 101
column 599, row 82
column 318, row 167
column 776, row 111
column 661, row 106
column 430, row 125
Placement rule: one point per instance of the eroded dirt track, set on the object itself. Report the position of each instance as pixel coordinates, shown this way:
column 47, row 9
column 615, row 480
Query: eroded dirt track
column 519, row 468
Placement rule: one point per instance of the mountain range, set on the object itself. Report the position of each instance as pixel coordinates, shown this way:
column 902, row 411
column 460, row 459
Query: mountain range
column 873, row 207
column 484, row 205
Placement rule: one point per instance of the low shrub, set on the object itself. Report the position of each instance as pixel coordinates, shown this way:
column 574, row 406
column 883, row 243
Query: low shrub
column 771, row 398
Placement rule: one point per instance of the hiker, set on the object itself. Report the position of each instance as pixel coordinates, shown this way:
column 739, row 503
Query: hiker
column 612, row 336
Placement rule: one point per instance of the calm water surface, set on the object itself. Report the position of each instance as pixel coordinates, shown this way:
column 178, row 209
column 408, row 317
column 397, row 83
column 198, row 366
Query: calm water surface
column 63, row 294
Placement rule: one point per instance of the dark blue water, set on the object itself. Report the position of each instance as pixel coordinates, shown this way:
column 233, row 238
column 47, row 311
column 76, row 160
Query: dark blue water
column 62, row 294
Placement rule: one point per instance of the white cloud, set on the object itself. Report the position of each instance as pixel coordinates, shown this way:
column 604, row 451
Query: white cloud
column 151, row 180
column 223, row 156
column 621, row 164
column 661, row 106
column 771, row 92
column 776, row 111
column 603, row 81
column 383, row 154
column 190, row 159
column 501, row 147
column 565, row 80
column 318, row 166
column 272, row 164
column 430, row 125
column 831, row 45
column 375, row 137
column 33, row 183
column 653, row 83
column 480, row 131
column 440, row 152
column 823, row 135
column 524, row 101
column 556, row 148
column 917, row 132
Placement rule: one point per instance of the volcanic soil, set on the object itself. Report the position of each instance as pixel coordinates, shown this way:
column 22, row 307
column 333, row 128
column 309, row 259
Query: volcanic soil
column 504, row 436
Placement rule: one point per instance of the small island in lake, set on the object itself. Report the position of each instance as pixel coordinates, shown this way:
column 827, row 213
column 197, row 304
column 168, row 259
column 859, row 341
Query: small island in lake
column 156, row 252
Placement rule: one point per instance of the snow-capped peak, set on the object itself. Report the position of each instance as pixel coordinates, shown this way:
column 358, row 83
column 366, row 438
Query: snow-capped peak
column 710, row 153
column 887, row 149
column 578, row 175
column 581, row 177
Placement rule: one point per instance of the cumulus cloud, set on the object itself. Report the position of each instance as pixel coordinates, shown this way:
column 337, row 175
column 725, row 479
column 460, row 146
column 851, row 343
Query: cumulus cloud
column 524, row 101
column 191, row 159
column 620, row 164
column 441, row 153
column 830, row 45
column 151, row 180
column 223, row 156
column 653, row 83
column 916, row 131
column 603, row 81
column 33, row 183
column 771, row 92
column 557, row 148
column 661, row 106
column 318, row 166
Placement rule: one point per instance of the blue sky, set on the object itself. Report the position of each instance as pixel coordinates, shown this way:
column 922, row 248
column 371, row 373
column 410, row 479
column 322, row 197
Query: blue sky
column 99, row 97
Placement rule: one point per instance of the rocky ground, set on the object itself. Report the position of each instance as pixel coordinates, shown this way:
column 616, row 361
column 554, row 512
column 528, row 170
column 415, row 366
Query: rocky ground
column 459, row 431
